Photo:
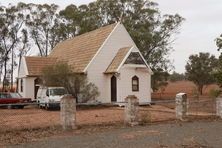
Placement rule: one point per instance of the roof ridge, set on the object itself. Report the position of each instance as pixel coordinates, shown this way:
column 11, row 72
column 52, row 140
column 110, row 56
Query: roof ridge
column 86, row 33
column 100, row 28
column 39, row 57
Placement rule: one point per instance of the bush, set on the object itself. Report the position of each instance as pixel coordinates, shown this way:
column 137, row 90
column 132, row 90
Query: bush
column 62, row 75
column 145, row 117
column 214, row 93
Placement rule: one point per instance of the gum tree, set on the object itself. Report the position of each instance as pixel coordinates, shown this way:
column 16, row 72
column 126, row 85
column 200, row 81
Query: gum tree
column 199, row 69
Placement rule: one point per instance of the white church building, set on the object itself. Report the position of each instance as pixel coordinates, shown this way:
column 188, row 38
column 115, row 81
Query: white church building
column 108, row 56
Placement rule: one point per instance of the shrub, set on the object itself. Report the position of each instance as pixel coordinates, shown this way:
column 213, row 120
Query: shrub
column 145, row 117
column 214, row 93
column 62, row 75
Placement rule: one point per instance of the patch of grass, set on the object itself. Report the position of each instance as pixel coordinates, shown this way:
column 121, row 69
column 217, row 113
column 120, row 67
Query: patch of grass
column 145, row 117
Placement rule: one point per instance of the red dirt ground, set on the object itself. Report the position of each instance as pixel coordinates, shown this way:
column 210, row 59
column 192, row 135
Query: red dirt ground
column 33, row 118
column 30, row 118
column 31, row 124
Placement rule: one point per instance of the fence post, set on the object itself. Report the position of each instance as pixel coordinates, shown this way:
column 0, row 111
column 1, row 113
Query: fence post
column 131, row 110
column 219, row 107
column 68, row 112
column 181, row 106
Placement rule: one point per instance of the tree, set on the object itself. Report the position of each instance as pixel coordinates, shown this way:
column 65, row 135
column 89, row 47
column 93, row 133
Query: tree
column 219, row 42
column 176, row 77
column 217, row 73
column 43, row 23
column 151, row 31
column 60, row 74
column 159, row 80
column 12, row 20
column 199, row 69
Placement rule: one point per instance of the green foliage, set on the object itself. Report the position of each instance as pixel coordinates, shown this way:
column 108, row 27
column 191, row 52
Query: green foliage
column 199, row 69
column 214, row 93
column 43, row 24
column 219, row 42
column 217, row 73
column 60, row 74
column 159, row 79
column 176, row 77
column 12, row 36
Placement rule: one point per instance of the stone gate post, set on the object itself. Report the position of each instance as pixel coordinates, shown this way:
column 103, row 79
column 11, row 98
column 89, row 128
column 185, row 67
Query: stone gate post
column 219, row 107
column 68, row 112
column 131, row 110
column 181, row 106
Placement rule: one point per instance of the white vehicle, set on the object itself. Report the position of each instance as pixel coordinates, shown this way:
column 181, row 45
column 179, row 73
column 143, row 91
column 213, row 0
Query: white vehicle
column 49, row 97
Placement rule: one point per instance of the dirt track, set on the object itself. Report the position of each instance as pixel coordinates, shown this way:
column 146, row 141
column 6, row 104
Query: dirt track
column 201, row 134
column 29, row 124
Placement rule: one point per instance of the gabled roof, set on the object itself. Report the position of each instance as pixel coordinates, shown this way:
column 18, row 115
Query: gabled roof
column 121, row 57
column 36, row 64
column 80, row 50
column 118, row 59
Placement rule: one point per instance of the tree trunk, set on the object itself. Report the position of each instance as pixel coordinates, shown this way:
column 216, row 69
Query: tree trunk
column 200, row 89
column 1, row 66
column 46, row 45
column 5, row 73
column 12, row 70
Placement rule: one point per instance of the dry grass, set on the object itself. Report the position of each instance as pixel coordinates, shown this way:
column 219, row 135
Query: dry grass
column 181, row 86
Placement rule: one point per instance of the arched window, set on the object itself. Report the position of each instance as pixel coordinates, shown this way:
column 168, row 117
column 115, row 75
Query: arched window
column 135, row 83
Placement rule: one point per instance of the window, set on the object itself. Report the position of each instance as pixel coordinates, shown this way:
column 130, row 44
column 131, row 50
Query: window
column 134, row 58
column 21, row 85
column 57, row 91
column 135, row 83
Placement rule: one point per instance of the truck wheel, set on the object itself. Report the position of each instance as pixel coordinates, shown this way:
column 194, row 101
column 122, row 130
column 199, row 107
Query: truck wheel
column 39, row 105
column 47, row 106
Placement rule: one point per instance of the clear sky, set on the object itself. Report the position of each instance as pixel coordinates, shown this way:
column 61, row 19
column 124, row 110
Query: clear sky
column 197, row 34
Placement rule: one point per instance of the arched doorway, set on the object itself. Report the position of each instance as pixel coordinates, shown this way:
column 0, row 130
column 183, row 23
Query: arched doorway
column 113, row 89
column 38, row 83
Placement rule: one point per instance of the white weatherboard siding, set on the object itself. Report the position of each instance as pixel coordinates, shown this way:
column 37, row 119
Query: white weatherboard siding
column 22, row 72
column 119, row 38
column 124, row 83
column 29, row 87
column 19, row 87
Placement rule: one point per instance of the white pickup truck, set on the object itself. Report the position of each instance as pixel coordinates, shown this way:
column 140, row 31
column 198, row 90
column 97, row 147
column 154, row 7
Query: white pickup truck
column 49, row 97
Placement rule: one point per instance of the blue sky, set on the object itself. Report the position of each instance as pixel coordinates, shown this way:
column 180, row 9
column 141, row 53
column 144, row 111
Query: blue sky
column 197, row 34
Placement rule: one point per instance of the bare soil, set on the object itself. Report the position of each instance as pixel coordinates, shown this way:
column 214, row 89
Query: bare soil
column 32, row 118
column 31, row 123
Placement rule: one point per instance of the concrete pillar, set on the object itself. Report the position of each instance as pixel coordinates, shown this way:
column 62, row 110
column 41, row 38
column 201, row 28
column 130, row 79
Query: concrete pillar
column 181, row 106
column 68, row 112
column 219, row 107
column 131, row 111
